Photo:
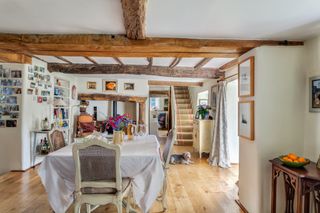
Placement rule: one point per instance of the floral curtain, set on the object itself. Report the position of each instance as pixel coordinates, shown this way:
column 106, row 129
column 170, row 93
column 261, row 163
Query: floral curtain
column 220, row 155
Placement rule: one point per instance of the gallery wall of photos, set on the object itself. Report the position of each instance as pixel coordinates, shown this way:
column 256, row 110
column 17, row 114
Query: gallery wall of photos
column 10, row 97
column 39, row 84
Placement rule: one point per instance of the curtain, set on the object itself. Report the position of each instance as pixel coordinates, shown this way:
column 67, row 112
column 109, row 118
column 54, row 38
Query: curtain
column 219, row 155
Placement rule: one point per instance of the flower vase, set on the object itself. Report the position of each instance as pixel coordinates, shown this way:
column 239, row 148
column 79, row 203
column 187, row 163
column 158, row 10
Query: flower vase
column 118, row 137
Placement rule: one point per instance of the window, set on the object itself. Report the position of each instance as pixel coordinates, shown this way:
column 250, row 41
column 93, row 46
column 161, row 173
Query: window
column 202, row 98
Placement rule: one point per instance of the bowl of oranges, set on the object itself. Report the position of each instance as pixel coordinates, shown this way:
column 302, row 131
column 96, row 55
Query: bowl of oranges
column 293, row 160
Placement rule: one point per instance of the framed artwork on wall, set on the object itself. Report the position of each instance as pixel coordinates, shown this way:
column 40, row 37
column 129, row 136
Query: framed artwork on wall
column 213, row 99
column 91, row 85
column 246, row 119
column 246, row 77
column 110, row 85
column 128, row 86
column 314, row 94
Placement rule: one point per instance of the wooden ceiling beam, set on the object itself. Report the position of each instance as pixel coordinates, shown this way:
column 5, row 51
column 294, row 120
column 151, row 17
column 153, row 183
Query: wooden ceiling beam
column 134, row 14
column 111, row 97
column 90, row 59
column 229, row 65
column 175, row 62
column 202, row 63
column 132, row 69
column 9, row 57
column 63, row 59
column 118, row 61
column 175, row 83
column 117, row 46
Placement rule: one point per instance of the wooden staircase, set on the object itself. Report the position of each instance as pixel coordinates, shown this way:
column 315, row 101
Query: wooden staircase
column 184, row 124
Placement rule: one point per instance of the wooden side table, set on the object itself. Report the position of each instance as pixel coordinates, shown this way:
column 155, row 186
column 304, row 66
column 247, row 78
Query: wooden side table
column 299, row 182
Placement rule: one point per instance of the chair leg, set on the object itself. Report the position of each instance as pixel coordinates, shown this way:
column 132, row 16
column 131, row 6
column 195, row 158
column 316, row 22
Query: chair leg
column 119, row 206
column 77, row 207
column 88, row 208
column 164, row 195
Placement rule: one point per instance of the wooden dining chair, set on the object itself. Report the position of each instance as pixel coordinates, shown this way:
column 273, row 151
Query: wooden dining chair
column 166, row 160
column 56, row 140
column 98, row 178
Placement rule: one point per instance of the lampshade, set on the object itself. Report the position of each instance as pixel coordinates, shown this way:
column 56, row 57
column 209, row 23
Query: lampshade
column 59, row 102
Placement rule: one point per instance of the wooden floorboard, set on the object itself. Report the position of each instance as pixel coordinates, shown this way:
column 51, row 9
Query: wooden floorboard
column 192, row 188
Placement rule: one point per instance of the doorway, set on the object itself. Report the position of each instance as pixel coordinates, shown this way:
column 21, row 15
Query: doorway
column 232, row 120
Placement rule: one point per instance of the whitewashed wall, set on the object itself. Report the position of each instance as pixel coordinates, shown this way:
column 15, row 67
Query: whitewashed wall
column 312, row 120
column 279, row 127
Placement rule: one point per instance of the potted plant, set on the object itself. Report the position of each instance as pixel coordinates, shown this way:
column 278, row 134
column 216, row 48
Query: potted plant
column 118, row 125
column 203, row 111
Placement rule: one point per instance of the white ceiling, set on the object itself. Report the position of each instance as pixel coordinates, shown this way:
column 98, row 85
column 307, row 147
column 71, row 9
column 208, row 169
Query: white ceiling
column 245, row 19
column 165, row 62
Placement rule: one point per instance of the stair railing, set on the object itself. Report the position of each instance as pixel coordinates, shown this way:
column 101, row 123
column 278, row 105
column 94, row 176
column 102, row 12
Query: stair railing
column 174, row 114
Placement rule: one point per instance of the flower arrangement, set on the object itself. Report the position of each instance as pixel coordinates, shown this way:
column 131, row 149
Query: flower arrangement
column 203, row 111
column 119, row 122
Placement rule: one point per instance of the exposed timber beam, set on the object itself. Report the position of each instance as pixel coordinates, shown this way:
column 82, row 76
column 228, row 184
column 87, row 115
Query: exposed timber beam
column 134, row 14
column 118, row 61
column 186, row 72
column 63, row 59
column 175, row 83
column 229, row 65
column 202, row 63
column 9, row 57
column 111, row 97
column 121, row 46
column 175, row 62
column 91, row 60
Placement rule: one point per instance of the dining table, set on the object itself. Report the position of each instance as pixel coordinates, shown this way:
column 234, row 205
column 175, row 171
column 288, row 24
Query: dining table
column 140, row 160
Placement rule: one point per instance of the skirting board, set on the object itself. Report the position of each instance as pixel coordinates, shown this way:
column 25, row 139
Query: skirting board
column 241, row 206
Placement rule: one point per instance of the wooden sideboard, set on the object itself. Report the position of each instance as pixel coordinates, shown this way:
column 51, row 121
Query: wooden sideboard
column 202, row 135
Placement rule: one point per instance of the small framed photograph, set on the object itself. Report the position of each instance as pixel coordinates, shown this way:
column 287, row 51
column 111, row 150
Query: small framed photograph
column 44, row 99
column 110, row 86
column 12, row 100
column 32, row 85
column 8, row 91
column 17, row 91
column 30, row 91
column 36, row 68
column 11, row 123
column 16, row 74
column 41, row 69
column 17, row 83
column 246, row 119
column 2, row 123
column 30, row 76
column 6, row 73
column 128, row 86
column 14, row 115
column 30, row 69
column 91, row 85
column 314, row 94
column 203, row 102
column 246, row 77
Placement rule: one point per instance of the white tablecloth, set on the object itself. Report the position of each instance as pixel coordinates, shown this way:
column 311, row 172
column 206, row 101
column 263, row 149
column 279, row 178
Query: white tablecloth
column 140, row 160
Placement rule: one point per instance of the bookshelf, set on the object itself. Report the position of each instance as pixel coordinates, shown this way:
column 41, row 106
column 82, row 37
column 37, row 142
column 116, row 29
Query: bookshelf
column 61, row 106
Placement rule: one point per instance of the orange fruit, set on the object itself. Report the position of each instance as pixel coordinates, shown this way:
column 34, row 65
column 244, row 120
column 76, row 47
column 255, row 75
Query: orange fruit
column 285, row 158
column 292, row 156
column 289, row 160
column 301, row 160
column 296, row 161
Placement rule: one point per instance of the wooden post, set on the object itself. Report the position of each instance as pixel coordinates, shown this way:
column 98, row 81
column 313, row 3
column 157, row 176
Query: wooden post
column 142, row 112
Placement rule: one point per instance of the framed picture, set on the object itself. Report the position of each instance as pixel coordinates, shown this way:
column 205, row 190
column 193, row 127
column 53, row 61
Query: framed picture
column 128, row 86
column 213, row 98
column 16, row 74
column 246, row 77
column 91, row 85
column 314, row 94
column 246, row 119
column 110, row 85
column 11, row 123
column 203, row 101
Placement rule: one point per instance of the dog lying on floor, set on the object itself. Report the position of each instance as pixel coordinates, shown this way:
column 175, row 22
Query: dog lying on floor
column 184, row 158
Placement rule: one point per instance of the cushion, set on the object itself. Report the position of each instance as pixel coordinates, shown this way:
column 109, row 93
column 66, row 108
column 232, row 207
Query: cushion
column 85, row 119
column 91, row 190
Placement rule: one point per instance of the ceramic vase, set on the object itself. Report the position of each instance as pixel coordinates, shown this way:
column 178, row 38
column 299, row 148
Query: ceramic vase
column 118, row 137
